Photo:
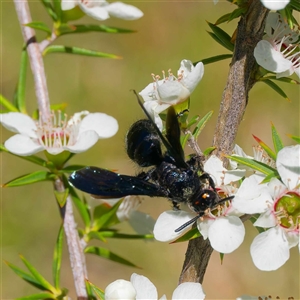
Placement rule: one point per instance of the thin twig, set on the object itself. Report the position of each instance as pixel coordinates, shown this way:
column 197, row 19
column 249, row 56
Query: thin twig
column 77, row 258
column 234, row 101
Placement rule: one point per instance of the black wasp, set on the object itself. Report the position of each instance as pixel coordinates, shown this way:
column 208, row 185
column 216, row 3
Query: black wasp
column 170, row 175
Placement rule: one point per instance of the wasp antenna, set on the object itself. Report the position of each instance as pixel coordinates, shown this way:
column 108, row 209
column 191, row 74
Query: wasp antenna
column 142, row 106
column 226, row 199
column 187, row 223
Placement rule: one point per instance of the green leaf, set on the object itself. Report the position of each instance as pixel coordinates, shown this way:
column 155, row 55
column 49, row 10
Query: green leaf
column 32, row 158
column 268, row 150
column 61, row 197
column 5, row 103
column 84, row 28
column 221, row 257
column 276, row 88
column 20, row 92
column 256, row 165
column 191, row 234
column 30, row 178
column 57, row 9
column 231, row 16
column 209, row 150
column 282, row 79
column 95, row 235
column 221, row 37
column 201, row 124
column 277, row 142
column 78, row 51
column 25, row 276
column 185, row 139
column 91, row 289
column 295, row 138
column 81, row 206
column 105, row 253
column 295, row 4
column 38, row 296
column 102, row 219
column 223, row 19
column 39, row 26
column 113, row 234
column 216, row 58
column 50, row 10
column 57, row 257
column 39, row 277
column 269, row 177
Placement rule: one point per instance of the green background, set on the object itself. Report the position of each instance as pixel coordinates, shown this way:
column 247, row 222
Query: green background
column 168, row 32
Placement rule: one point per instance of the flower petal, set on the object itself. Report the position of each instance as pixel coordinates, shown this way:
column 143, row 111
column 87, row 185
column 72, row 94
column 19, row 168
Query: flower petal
column 120, row 289
column 168, row 221
column 193, row 75
column 226, row 234
column 275, row 4
column 84, row 141
column 270, row 59
column 266, row 219
column 270, row 249
column 124, row 11
column 189, row 290
column 97, row 12
column 214, row 167
column 252, row 197
column 172, row 92
column 68, row 4
column 104, row 125
column 153, row 108
column 288, row 165
column 149, row 93
column 203, row 226
column 293, row 238
column 22, row 145
column 19, row 123
column 145, row 289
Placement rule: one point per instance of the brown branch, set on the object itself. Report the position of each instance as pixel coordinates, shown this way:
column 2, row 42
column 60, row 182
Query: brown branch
column 234, row 101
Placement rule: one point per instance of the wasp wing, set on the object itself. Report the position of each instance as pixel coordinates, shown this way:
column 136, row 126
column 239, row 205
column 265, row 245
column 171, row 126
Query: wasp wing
column 105, row 183
column 173, row 136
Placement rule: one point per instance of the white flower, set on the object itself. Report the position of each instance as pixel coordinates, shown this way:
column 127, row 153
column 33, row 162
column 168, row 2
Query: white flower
column 102, row 10
column 120, row 289
column 278, row 202
column 275, row 4
column 140, row 287
column 224, row 229
column 278, row 52
column 57, row 135
column 171, row 90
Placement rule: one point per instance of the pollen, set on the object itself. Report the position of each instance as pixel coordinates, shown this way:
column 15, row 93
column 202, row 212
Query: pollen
column 56, row 132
